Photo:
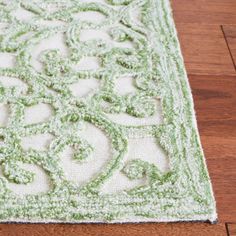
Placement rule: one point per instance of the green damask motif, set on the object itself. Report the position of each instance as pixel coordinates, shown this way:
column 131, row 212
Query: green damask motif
column 155, row 63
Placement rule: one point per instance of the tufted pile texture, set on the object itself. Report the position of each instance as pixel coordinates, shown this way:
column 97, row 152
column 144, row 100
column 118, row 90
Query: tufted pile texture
column 121, row 40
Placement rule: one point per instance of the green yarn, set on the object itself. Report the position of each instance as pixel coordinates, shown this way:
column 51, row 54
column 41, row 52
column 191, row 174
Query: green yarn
column 156, row 65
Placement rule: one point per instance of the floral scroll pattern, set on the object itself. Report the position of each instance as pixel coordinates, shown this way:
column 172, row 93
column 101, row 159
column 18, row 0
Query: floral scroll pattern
column 144, row 47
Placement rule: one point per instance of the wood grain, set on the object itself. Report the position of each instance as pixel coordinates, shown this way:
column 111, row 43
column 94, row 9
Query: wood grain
column 147, row 229
column 204, row 49
column 217, row 12
column 215, row 99
column 230, row 34
column 231, row 229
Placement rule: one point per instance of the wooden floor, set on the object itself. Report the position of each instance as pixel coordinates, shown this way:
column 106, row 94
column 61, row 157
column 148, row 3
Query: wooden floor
column 207, row 33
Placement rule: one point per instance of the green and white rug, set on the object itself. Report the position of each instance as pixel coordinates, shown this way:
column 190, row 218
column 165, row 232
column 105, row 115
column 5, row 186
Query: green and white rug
column 96, row 115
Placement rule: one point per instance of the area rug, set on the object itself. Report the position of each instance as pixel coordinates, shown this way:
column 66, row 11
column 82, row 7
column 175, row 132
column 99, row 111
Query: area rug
column 97, row 121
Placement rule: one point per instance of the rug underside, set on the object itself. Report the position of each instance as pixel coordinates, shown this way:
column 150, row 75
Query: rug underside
column 96, row 115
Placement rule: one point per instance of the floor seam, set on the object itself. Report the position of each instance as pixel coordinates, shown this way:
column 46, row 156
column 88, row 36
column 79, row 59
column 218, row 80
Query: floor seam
column 227, row 229
column 206, row 74
column 227, row 43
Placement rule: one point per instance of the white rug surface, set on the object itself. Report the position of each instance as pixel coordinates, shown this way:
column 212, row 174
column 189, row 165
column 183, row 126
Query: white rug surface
column 96, row 115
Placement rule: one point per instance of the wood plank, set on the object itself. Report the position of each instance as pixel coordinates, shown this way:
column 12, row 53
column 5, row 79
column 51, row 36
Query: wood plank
column 147, row 229
column 230, row 34
column 205, row 11
column 204, row 49
column 219, row 147
column 215, row 100
column 223, row 176
column 231, row 229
